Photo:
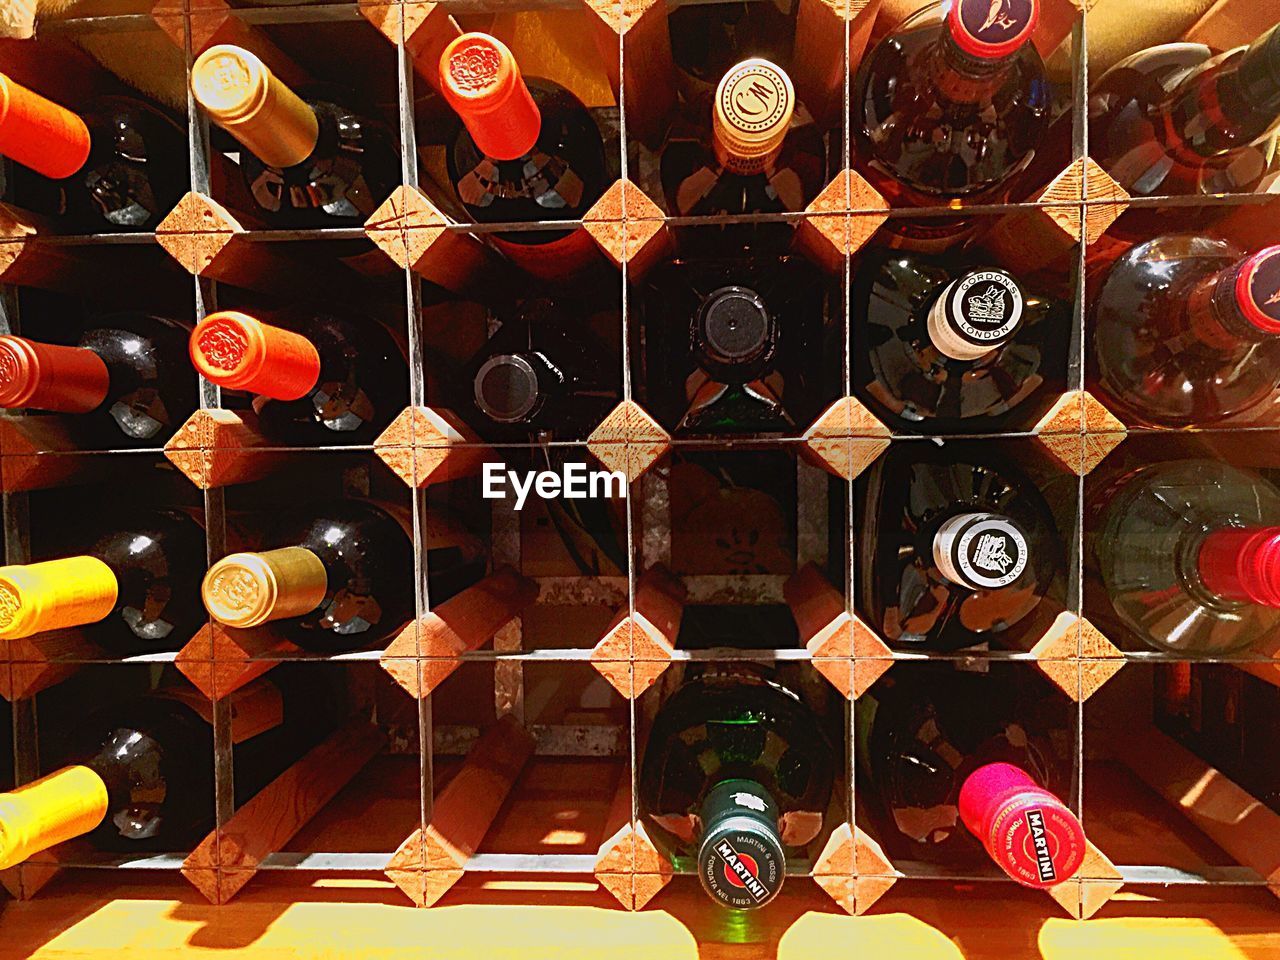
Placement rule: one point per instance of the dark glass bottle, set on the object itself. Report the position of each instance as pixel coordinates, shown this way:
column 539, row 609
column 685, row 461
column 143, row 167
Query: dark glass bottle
column 957, row 548
column 1185, row 331
column 946, row 346
column 310, row 161
column 737, row 773
column 1177, row 120
column 1187, row 554
column 927, row 736
column 120, row 166
column 337, row 576
column 528, row 152
column 707, row 39
column 951, row 106
column 736, row 152
column 328, row 380
column 544, row 372
column 134, row 590
column 734, row 346
column 128, row 377
column 140, row 773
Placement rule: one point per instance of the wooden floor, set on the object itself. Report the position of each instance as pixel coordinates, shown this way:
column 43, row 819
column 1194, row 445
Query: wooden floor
column 524, row 919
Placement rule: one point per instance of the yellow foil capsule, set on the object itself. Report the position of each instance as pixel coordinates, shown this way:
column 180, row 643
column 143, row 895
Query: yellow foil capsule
column 67, row 803
column 53, row 595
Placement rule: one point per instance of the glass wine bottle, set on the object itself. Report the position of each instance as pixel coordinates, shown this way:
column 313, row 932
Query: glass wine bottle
column 734, row 346
column 528, row 152
column 341, row 577
column 1178, row 120
column 332, row 380
column 315, row 160
column 940, row 749
column 1188, row 556
column 1185, row 331
column 737, row 773
column 127, row 378
column 957, row 549
column 122, row 165
column 951, row 106
column 947, row 346
column 134, row 590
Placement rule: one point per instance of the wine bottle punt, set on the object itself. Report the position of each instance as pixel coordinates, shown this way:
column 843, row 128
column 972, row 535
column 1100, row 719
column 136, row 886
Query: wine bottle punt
column 127, row 378
column 121, row 166
column 311, row 160
column 135, row 590
column 334, row 380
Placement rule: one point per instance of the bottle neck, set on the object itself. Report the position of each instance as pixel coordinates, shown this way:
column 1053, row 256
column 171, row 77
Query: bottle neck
column 1241, row 564
column 68, row 803
column 742, row 861
column 246, row 590
column 241, row 95
column 39, row 133
column 55, row 595
column 1238, row 306
column 42, row 376
column 961, row 77
column 1227, row 107
column 240, row 352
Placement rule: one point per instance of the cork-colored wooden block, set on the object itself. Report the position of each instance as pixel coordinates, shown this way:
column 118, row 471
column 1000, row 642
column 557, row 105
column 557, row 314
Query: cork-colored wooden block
column 833, row 870
column 425, row 29
column 26, row 261
column 218, row 448
column 1078, row 432
column 629, row 440
column 874, row 875
column 642, row 635
column 424, row 446
column 412, row 231
column 840, row 220
column 31, row 455
column 846, row 438
column 29, row 665
column 464, row 622
column 645, row 71
column 219, row 659
column 434, row 858
column 629, row 229
column 628, row 864
column 1076, row 656
column 230, row 855
column 1096, row 882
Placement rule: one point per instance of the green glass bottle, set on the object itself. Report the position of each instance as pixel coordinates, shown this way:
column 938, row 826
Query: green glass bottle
column 736, row 777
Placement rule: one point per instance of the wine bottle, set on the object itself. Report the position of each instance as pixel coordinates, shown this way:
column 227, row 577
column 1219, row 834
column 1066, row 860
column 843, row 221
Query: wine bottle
column 734, row 346
column 332, row 380
column 122, row 165
column 736, row 774
column 1184, row 331
column 528, row 152
column 127, row 376
column 951, row 106
column 944, row 346
column 139, row 775
column 957, row 548
column 310, row 160
column 543, row 372
column 939, row 748
column 740, row 153
column 341, row 577
column 134, row 590
column 1188, row 557
column 1178, row 120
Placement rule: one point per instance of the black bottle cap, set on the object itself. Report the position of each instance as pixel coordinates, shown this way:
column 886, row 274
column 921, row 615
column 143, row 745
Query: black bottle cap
column 509, row 387
column 734, row 335
column 741, row 860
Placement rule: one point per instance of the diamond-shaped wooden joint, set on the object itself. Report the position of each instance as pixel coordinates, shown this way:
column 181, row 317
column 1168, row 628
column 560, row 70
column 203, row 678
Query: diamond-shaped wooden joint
column 874, row 875
column 1078, row 431
column 841, row 219
column 639, row 643
column 846, row 438
column 196, row 231
column 1096, row 882
column 406, row 226
column 424, row 445
column 629, row 440
column 629, row 228
column 217, row 448
column 1076, row 656
column 1105, row 200
column 872, row 659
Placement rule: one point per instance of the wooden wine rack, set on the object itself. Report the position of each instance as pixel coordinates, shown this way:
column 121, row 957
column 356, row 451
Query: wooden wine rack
column 518, row 760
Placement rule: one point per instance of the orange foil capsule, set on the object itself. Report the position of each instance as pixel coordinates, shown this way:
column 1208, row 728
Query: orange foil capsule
column 237, row 351
column 482, row 82
column 39, row 134
column 47, row 377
